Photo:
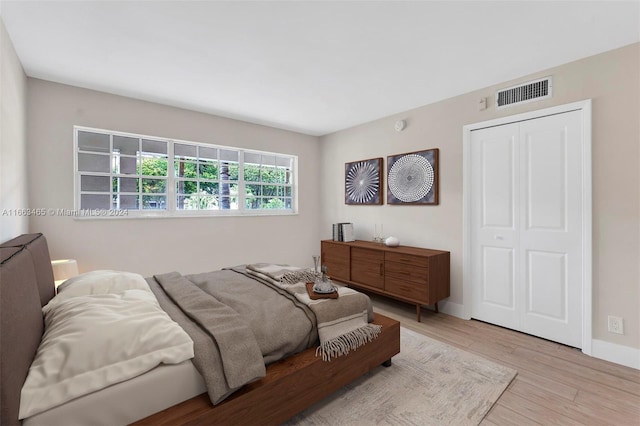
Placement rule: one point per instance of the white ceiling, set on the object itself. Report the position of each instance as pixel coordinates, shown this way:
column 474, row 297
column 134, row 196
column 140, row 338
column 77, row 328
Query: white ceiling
column 314, row 67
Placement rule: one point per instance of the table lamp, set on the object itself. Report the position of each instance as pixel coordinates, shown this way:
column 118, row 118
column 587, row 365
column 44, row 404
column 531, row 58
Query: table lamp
column 64, row 269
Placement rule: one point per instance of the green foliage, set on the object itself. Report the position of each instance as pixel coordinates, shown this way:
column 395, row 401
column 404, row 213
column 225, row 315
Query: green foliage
column 264, row 203
column 154, row 166
column 274, row 203
column 208, row 171
column 186, row 187
column 265, row 174
column 154, row 186
column 185, row 169
column 201, row 201
column 210, row 194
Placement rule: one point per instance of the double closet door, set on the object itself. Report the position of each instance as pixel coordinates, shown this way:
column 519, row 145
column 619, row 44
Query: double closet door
column 526, row 226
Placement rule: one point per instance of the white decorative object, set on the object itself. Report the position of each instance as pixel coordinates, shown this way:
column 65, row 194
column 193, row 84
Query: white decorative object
column 392, row 242
column 400, row 125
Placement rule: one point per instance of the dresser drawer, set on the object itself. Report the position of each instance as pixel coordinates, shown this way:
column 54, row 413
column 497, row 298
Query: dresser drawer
column 409, row 290
column 367, row 255
column 407, row 258
column 368, row 273
column 403, row 271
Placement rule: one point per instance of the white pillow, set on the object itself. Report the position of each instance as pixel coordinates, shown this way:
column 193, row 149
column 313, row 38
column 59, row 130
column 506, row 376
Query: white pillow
column 94, row 341
column 101, row 282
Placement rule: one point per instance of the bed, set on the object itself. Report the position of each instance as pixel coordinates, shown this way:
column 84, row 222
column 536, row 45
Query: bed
column 168, row 394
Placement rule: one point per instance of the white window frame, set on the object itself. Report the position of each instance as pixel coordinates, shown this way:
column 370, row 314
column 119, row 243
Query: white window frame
column 171, row 194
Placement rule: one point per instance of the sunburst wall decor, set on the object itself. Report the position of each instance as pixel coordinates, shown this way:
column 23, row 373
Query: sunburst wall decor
column 412, row 178
column 363, row 182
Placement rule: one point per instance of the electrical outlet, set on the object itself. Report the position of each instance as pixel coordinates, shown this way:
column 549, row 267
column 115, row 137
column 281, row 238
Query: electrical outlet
column 616, row 325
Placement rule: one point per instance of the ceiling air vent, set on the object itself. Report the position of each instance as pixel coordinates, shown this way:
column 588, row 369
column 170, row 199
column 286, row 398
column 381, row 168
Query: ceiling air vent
column 526, row 92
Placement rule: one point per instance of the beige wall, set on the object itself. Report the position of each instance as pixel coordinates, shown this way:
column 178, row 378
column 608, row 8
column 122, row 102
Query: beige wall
column 151, row 246
column 612, row 81
column 13, row 141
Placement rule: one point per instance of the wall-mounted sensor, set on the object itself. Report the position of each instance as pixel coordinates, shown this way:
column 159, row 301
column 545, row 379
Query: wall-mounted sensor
column 400, row 125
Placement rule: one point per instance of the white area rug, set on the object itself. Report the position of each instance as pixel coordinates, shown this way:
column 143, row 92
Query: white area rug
column 429, row 383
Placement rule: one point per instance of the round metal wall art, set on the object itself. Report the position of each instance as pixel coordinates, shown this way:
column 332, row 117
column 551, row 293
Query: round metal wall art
column 411, row 178
column 362, row 182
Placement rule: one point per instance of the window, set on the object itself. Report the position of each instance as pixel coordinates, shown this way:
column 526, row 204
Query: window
column 149, row 176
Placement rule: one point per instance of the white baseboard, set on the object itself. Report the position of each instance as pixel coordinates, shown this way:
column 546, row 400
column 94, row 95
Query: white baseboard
column 451, row 308
column 619, row 354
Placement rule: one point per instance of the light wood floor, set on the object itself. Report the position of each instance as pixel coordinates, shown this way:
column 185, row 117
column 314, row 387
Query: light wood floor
column 555, row 385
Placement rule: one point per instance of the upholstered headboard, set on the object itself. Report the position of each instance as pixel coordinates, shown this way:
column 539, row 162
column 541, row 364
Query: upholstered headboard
column 26, row 284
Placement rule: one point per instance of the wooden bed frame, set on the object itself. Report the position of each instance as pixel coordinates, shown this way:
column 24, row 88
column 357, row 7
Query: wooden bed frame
column 290, row 386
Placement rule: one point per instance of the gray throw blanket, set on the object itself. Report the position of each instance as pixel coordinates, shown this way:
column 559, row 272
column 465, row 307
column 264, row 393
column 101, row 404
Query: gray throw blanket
column 207, row 358
column 342, row 323
column 241, row 357
column 270, row 317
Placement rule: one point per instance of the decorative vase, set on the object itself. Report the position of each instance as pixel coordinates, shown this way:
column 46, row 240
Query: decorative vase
column 392, row 242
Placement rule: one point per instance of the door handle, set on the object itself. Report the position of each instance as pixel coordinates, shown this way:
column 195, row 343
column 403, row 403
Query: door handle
column 498, row 237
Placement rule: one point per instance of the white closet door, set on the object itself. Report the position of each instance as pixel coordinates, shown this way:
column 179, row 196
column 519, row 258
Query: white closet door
column 527, row 226
column 495, row 224
column 551, row 227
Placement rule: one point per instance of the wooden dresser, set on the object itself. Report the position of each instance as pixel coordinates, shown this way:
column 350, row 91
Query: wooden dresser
column 411, row 274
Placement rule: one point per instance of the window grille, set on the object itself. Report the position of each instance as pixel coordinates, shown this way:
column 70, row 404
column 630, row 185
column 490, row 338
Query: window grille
column 151, row 176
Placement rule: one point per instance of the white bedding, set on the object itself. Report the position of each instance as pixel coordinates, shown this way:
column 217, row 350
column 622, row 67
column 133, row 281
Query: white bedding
column 134, row 399
column 98, row 334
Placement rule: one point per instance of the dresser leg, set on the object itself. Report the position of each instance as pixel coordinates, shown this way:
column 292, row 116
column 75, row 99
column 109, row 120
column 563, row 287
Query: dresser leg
column 436, row 307
column 418, row 312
